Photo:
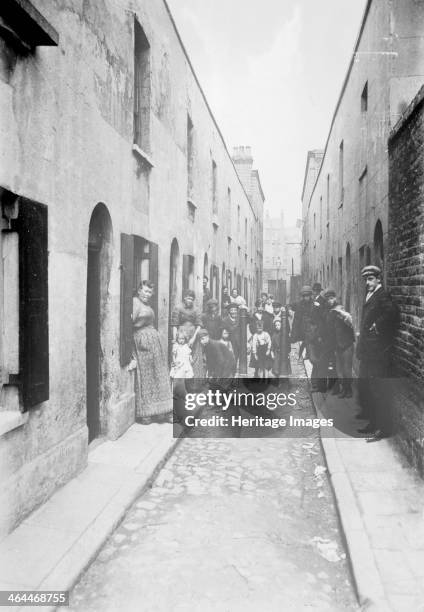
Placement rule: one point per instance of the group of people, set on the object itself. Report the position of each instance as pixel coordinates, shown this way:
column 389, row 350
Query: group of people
column 325, row 331
column 204, row 343
column 214, row 338
column 207, row 343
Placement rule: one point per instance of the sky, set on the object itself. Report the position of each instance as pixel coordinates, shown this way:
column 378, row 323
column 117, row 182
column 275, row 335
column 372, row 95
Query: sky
column 272, row 72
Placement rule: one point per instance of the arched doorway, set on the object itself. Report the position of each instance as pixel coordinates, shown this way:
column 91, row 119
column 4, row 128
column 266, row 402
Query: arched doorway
column 378, row 245
column 99, row 261
column 174, row 289
column 348, row 278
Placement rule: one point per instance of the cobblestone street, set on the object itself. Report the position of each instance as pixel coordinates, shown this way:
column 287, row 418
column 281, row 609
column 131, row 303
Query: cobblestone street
column 229, row 524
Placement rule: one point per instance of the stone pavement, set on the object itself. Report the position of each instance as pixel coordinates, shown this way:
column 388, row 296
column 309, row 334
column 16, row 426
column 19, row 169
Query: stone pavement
column 229, row 525
column 50, row 549
column 381, row 505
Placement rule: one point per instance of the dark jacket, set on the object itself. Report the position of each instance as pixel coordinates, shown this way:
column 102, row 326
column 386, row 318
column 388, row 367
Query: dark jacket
column 213, row 325
column 340, row 334
column 383, row 312
column 267, row 319
column 303, row 328
column 220, row 361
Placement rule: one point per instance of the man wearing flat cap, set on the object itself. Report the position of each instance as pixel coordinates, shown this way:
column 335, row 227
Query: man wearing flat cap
column 379, row 321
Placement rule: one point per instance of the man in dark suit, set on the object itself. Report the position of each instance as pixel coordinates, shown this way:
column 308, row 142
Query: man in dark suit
column 379, row 320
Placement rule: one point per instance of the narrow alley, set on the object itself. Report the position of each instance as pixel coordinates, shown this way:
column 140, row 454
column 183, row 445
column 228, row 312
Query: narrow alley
column 229, row 524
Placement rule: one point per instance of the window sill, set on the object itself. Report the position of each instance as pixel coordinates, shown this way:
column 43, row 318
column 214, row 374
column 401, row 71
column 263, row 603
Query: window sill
column 11, row 419
column 191, row 202
column 142, row 155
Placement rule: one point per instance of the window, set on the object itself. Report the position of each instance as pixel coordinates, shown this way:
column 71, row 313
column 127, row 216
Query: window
column 191, row 211
column 214, row 188
column 139, row 261
column 190, row 158
column 363, row 196
column 27, row 363
column 341, row 173
column 364, row 98
column 188, row 272
column 315, row 221
column 141, row 88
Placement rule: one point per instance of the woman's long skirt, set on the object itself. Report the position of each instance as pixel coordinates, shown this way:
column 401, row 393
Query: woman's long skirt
column 152, row 386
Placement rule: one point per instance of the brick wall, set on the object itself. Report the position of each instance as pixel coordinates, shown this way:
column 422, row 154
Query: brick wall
column 405, row 274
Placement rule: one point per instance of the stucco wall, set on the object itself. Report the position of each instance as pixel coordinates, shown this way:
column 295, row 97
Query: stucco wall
column 66, row 141
column 390, row 57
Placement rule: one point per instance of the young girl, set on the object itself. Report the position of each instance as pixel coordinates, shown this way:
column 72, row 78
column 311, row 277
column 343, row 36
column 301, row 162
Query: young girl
column 261, row 351
column 276, row 348
column 225, row 339
column 181, row 358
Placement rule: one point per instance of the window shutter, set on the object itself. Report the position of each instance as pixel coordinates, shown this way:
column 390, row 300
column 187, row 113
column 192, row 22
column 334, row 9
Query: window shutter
column 127, row 276
column 154, row 277
column 33, row 302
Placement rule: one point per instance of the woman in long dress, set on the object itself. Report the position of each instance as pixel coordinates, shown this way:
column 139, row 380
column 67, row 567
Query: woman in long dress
column 188, row 319
column 152, row 387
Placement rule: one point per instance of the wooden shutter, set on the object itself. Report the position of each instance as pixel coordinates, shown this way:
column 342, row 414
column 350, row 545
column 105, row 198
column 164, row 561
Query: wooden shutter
column 127, row 279
column 33, row 302
column 154, row 277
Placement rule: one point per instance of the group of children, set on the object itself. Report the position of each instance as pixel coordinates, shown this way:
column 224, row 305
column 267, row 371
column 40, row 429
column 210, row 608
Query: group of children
column 265, row 350
column 182, row 361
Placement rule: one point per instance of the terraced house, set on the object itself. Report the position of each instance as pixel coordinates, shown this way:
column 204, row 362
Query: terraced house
column 113, row 170
column 346, row 187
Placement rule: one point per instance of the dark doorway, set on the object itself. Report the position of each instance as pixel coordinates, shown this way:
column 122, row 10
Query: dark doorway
column 98, row 273
column 174, row 296
column 93, row 342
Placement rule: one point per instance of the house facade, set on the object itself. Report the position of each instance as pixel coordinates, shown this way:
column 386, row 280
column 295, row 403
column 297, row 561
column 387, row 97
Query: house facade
column 113, row 170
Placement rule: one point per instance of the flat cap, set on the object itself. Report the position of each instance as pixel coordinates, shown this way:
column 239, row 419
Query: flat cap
column 371, row 271
column 276, row 304
column 202, row 333
column 329, row 293
column 306, row 289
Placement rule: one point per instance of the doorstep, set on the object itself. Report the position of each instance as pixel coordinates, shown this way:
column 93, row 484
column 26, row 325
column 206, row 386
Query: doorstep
column 51, row 548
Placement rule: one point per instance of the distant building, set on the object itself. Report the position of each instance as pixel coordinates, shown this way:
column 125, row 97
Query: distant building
column 282, row 258
column 113, row 170
column 345, row 199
